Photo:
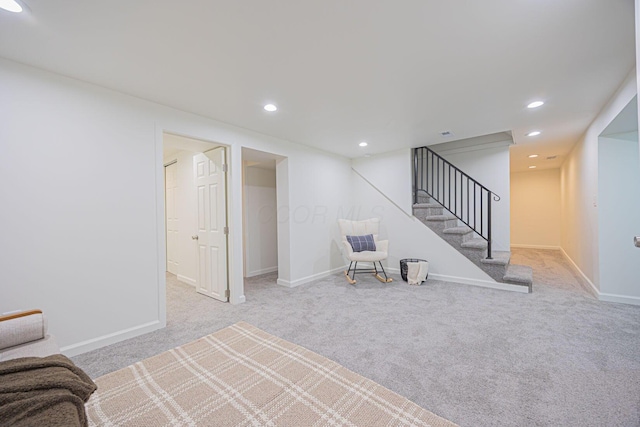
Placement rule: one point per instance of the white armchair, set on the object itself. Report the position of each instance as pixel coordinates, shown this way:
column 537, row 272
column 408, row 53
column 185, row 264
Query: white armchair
column 24, row 334
column 360, row 229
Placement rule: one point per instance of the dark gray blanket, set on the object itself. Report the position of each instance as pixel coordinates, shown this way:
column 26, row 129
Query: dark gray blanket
column 43, row 391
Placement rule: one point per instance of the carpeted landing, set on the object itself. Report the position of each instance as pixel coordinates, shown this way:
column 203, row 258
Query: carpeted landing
column 475, row 356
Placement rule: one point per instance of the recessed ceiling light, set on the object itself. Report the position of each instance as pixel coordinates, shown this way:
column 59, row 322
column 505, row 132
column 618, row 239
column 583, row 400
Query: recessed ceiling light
column 533, row 156
column 532, row 167
column 269, row 107
column 534, row 133
column 10, row 5
column 363, row 144
column 535, row 104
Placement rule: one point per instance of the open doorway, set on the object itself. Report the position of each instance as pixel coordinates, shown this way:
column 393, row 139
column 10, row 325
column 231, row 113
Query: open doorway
column 196, row 214
column 265, row 247
column 618, row 204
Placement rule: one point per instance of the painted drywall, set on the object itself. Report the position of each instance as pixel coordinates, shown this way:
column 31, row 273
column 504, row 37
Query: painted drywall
column 186, row 205
column 85, row 234
column 535, row 209
column 619, row 221
column 637, row 9
column 490, row 167
column 579, row 189
column 319, row 191
column 392, row 173
column 261, row 244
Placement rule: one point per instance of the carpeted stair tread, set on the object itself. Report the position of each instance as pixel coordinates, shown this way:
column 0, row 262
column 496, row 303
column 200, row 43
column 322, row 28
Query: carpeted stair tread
column 426, row 205
column 475, row 244
column 463, row 229
column 519, row 274
column 439, row 218
column 498, row 258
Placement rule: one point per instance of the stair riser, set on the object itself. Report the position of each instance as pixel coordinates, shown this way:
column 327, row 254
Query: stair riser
column 422, row 213
column 439, row 226
column 457, row 239
column 424, row 198
column 475, row 255
column 495, row 271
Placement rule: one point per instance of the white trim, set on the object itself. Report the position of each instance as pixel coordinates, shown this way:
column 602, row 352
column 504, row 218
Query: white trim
column 473, row 282
column 262, row 271
column 161, row 228
column 186, row 280
column 517, row 245
column 477, row 147
column 94, row 343
column 302, row 281
column 237, row 300
column 623, row 299
column 594, row 291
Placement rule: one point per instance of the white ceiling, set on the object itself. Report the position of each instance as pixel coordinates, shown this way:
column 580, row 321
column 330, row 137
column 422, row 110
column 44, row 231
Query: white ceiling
column 392, row 73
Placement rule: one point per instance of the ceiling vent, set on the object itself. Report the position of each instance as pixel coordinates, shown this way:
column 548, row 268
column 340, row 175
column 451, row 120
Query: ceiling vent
column 551, row 157
column 446, row 133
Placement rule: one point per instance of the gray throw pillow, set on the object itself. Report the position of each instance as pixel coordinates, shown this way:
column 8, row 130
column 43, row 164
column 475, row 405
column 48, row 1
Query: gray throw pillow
column 362, row 243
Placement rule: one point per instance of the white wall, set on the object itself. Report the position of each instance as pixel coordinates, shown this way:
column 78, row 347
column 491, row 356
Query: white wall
column 637, row 8
column 619, row 215
column 319, row 190
column 579, row 189
column 84, row 233
column 186, row 206
column 392, row 174
column 261, row 244
column 535, row 209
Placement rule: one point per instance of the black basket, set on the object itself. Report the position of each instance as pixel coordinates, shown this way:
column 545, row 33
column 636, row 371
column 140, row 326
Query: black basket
column 404, row 268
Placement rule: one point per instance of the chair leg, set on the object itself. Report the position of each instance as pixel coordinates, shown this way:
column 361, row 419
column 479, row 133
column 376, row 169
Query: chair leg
column 385, row 279
column 346, row 273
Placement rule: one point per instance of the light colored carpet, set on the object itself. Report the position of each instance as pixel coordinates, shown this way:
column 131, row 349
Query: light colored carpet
column 475, row 356
column 242, row 376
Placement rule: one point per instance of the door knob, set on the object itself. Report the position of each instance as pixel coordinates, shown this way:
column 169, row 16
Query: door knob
column 194, row 237
column 636, row 241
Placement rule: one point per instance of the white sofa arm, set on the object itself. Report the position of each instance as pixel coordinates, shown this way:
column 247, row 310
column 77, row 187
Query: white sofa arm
column 21, row 327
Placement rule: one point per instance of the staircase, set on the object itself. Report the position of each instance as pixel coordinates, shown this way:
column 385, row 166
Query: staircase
column 458, row 209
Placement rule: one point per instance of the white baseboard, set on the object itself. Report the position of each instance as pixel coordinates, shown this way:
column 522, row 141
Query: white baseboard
column 262, row 271
column 624, row 299
column 517, row 245
column 482, row 283
column 95, row 343
column 594, row 290
column 302, row 281
column 472, row 282
column 239, row 300
column 187, row 280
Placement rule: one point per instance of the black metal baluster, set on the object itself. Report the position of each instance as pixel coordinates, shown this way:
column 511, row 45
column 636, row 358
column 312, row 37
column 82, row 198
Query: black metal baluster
column 481, row 214
column 489, row 225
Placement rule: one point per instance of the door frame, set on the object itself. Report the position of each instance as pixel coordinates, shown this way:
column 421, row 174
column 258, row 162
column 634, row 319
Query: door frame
column 166, row 220
column 234, row 213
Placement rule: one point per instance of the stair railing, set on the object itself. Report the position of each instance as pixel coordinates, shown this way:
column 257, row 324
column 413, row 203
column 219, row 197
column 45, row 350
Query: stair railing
column 457, row 192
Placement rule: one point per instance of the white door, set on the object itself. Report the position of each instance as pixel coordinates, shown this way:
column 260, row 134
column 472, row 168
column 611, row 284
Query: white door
column 171, row 189
column 210, row 168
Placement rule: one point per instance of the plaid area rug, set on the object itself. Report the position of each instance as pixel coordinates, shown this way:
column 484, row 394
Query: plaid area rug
column 242, row 376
